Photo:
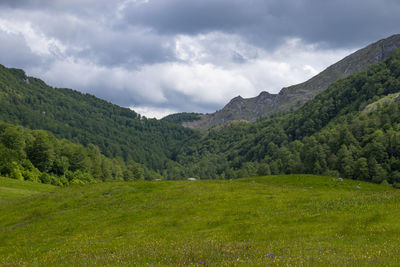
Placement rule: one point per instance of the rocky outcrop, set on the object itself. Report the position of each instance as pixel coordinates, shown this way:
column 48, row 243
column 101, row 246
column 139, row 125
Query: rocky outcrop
column 239, row 108
column 290, row 98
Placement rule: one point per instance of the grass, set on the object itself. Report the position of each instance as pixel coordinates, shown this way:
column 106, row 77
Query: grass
column 384, row 100
column 13, row 189
column 287, row 220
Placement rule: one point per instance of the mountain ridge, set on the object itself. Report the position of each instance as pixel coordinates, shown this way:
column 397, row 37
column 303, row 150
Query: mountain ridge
column 293, row 97
column 350, row 130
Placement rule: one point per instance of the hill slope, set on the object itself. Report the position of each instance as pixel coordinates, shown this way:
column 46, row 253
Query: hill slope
column 330, row 134
column 293, row 97
column 15, row 189
column 278, row 220
column 85, row 119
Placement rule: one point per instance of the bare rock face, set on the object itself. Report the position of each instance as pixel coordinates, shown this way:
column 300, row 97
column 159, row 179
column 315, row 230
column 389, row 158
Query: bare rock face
column 293, row 97
column 238, row 109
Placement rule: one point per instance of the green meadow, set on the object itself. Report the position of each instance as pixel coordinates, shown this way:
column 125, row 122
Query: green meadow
column 285, row 220
column 12, row 189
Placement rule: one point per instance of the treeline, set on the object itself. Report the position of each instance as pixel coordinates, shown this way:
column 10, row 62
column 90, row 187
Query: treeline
column 178, row 118
column 85, row 119
column 36, row 155
column 337, row 133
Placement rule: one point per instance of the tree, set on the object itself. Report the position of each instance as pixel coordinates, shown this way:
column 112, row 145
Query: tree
column 41, row 152
column 13, row 139
column 345, row 162
column 380, row 174
column 361, row 170
column 61, row 165
column 263, row 169
column 79, row 160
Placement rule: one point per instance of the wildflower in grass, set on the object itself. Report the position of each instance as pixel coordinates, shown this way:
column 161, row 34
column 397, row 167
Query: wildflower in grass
column 271, row 255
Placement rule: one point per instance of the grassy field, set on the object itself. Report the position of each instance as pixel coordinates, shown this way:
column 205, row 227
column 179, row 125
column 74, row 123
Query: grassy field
column 289, row 220
column 13, row 189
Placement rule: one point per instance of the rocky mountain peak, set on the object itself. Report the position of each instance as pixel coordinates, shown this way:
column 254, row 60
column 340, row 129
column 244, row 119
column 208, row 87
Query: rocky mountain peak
column 292, row 97
column 236, row 99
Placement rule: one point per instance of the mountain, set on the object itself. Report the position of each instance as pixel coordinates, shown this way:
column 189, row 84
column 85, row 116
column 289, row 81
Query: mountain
column 352, row 129
column 293, row 97
column 239, row 108
column 83, row 118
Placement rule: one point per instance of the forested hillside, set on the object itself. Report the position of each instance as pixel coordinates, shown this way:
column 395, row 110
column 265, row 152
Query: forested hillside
column 178, row 118
column 351, row 130
column 85, row 119
column 37, row 156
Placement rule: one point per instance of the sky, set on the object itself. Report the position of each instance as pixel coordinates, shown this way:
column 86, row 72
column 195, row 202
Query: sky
column 159, row 57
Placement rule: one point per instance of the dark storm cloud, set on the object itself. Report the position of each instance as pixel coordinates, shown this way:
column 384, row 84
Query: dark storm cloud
column 341, row 23
column 337, row 23
column 126, row 49
column 109, row 40
column 195, row 16
column 14, row 3
column 55, row 4
column 16, row 53
column 98, row 38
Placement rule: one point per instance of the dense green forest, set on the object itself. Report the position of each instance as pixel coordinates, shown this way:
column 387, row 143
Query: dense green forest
column 350, row 130
column 181, row 117
column 36, row 155
column 85, row 119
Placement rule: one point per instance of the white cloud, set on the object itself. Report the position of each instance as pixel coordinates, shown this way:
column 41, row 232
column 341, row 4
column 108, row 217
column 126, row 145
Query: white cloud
column 215, row 47
column 37, row 42
column 110, row 82
column 204, row 83
column 153, row 112
column 293, row 62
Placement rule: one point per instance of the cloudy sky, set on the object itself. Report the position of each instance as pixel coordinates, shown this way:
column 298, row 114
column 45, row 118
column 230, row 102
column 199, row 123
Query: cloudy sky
column 165, row 56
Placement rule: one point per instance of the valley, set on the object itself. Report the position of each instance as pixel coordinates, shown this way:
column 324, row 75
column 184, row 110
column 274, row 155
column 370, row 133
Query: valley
column 86, row 182
column 199, row 133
